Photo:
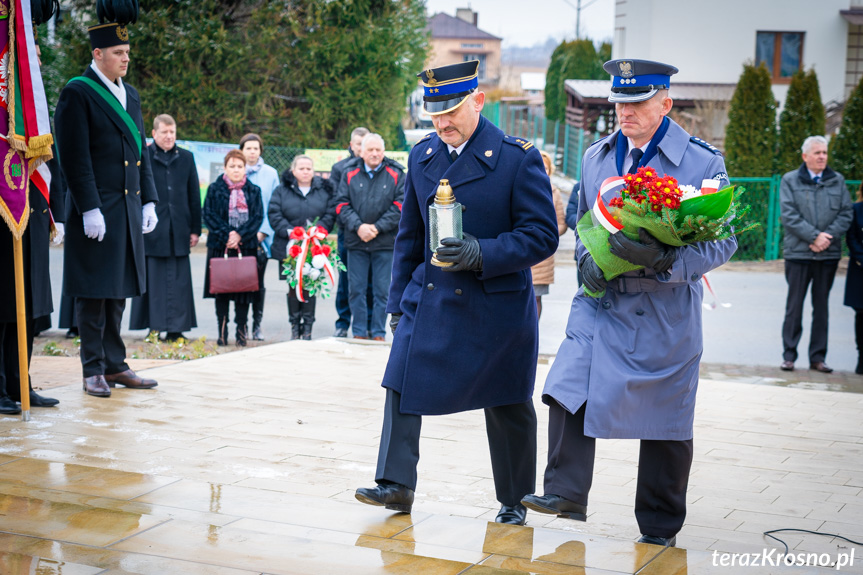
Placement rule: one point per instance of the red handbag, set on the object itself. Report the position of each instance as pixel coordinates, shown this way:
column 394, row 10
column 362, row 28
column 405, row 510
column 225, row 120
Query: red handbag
column 233, row 275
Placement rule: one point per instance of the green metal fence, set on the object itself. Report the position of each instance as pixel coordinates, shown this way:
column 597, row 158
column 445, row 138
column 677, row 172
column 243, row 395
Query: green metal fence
column 567, row 145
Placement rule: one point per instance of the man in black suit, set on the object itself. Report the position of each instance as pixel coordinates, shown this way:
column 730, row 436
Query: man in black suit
column 169, row 304
column 110, row 205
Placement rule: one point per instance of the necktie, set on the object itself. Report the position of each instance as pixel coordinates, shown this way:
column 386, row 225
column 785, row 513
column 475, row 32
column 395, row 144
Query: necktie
column 816, row 179
column 453, row 155
column 636, row 157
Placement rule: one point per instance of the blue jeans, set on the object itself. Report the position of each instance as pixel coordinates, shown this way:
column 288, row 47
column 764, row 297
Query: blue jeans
column 361, row 262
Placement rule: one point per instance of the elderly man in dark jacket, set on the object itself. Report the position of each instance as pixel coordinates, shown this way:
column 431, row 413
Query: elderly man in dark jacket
column 110, row 205
column 343, row 306
column 816, row 211
column 169, row 304
column 369, row 207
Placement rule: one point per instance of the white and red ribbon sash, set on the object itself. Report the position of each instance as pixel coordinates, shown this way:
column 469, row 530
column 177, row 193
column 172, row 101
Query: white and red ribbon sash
column 716, row 299
column 311, row 237
column 600, row 211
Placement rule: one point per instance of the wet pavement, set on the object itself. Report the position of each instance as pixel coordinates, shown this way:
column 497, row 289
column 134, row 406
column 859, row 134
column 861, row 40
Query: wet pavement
column 247, row 462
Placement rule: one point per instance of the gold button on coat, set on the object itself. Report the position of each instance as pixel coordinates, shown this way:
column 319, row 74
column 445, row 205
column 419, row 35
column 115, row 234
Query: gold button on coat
column 139, row 163
column 127, row 162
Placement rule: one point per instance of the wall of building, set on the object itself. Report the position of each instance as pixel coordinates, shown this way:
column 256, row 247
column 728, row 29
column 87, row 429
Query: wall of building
column 451, row 50
column 710, row 41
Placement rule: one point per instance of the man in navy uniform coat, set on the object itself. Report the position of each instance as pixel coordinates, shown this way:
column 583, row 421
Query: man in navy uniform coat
column 110, row 205
column 465, row 336
column 628, row 367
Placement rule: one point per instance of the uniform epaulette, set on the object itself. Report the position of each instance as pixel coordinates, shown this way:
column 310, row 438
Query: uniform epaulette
column 523, row 144
column 426, row 137
column 704, row 144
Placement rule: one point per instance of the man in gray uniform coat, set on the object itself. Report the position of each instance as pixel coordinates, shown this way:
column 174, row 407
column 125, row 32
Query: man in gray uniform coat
column 628, row 367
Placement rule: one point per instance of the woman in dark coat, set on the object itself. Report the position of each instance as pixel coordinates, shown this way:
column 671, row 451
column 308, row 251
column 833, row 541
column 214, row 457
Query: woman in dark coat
column 302, row 199
column 854, row 280
column 233, row 212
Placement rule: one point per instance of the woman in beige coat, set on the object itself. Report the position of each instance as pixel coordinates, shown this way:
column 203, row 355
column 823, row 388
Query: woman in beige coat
column 543, row 272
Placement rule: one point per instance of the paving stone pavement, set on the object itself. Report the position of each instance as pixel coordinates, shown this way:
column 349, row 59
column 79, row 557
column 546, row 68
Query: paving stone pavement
column 247, row 462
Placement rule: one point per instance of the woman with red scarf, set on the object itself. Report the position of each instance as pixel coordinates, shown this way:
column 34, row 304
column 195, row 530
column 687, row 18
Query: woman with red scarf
column 233, row 212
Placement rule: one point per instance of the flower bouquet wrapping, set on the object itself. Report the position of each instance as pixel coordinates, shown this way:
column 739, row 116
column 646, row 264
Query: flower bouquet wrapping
column 676, row 215
column 311, row 263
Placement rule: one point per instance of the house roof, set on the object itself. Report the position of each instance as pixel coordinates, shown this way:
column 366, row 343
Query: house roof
column 443, row 25
column 596, row 91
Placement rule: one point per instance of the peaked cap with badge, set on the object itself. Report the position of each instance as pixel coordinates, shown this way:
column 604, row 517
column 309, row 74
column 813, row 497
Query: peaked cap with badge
column 447, row 87
column 637, row 80
column 113, row 16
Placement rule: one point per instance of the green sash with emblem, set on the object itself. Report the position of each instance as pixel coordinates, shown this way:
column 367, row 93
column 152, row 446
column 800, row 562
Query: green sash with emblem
column 120, row 116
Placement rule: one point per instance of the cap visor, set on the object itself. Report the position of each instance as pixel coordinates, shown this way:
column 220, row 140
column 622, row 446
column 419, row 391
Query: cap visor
column 622, row 97
column 444, row 106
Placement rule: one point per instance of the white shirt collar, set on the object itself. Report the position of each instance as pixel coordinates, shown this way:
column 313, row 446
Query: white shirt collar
column 813, row 175
column 458, row 150
column 118, row 89
column 627, row 162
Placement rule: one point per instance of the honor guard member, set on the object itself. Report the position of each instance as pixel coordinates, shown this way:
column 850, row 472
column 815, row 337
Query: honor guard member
column 110, row 205
column 465, row 336
column 628, row 367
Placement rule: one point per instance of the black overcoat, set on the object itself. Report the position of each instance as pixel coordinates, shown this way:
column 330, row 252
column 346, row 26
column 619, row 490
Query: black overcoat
column 216, row 219
column 289, row 208
column 854, row 280
column 179, row 207
column 469, row 340
column 35, row 244
column 103, row 170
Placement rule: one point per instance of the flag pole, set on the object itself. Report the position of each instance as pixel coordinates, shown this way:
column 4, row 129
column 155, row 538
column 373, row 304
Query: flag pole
column 20, row 303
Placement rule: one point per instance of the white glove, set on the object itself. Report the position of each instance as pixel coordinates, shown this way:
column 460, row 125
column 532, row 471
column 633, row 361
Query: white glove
column 59, row 234
column 94, row 224
column 148, row 217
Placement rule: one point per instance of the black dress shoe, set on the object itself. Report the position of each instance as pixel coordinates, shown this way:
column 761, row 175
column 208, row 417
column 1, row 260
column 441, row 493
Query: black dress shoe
column 514, row 515
column 37, row 400
column 390, row 495
column 340, row 332
column 820, row 366
column 787, row 366
column 663, row 541
column 72, row 333
column 97, row 386
column 8, row 406
column 555, row 505
column 174, row 336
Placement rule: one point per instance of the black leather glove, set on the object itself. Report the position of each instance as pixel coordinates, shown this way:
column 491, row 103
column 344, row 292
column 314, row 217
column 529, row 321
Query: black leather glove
column 394, row 322
column 465, row 254
column 592, row 276
column 650, row 252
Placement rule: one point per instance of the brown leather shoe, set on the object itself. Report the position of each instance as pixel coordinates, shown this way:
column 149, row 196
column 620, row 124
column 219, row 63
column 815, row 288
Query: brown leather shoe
column 96, row 385
column 787, row 366
column 379, row 338
column 130, row 379
column 820, row 366
column 360, row 337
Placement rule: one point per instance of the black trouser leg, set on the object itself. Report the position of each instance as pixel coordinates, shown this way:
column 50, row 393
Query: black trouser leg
column 11, row 368
column 823, row 274
column 858, row 335
column 797, row 276
column 660, row 496
column 258, row 300
column 102, row 347
column 511, row 433
column 399, row 450
column 571, row 454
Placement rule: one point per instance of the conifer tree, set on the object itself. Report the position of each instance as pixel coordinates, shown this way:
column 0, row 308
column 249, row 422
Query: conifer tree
column 750, row 138
column 299, row 72
column 802, row 117
column 577, row 60
column 846, row 154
